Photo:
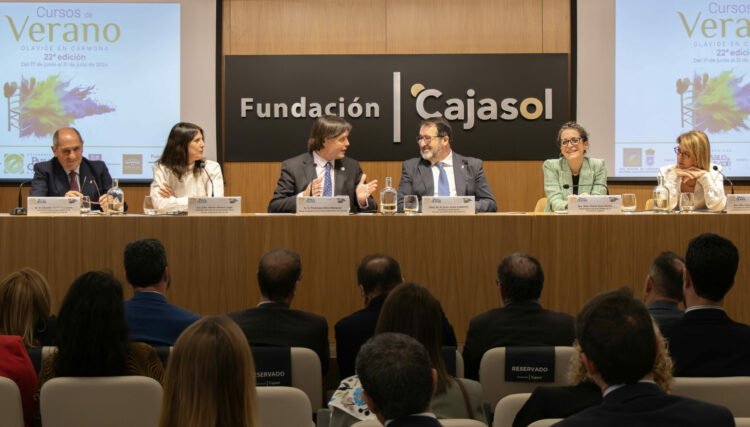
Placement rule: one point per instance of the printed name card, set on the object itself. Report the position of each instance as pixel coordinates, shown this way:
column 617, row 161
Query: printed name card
column 738, row 203
column 56, row 206
column 273, row 366
column 594, row 204
column 445, row 205
column 208, row 206
column 530, row 364
column 336, row 205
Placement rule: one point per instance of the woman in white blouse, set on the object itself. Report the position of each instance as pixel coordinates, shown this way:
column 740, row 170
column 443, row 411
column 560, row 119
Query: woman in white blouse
column 182, row 172
column 694, row 173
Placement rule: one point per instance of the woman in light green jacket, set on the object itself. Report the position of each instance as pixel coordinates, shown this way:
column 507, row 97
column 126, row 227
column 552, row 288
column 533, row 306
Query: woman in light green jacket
column 573, row 172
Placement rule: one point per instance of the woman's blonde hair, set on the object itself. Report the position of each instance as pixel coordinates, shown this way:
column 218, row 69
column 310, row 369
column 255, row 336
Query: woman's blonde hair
column 210, row 379
column 24, row 305
column 698, row 146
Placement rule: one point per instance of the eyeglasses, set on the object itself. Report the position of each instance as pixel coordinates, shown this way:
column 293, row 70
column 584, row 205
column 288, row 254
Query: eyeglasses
column 571, row 141
column 679, row 152
column 428, row 139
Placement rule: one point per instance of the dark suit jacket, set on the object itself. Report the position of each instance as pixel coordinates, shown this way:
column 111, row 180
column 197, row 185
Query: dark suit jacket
column 415, row 421
column 557, row 402
column 522, row 323
column 155, row 321
column 665, row 312
column 354, row 330
column 645, row 405
column 298, row 172
column 50, row 180
column 275, row 324
column 707, row 343
column 416, row 178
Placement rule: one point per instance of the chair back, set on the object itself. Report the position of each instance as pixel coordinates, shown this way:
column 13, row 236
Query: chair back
column 307, row 376
column 546, row 422
column 507, row 409
column 541, row 204
column 283, row 407
column 742, row 422
column 445, row 422
column 492, row 374
column 459, row 365
column 96, row 401
column 731, row 392
column 10, row 404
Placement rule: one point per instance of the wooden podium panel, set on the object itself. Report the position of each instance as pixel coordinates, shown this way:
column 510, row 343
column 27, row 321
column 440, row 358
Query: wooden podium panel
column 213, row 260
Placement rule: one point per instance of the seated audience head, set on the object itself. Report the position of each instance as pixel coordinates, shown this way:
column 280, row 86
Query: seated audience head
column 278, row 273
column 146, row 264
column 693, row 150
column 617, row 338
column 412, row 310
column 396, row 376
column 378, row 274
column 92, row 334
column 329, row 137
column 710, row 265
column 520, row 278
column 67, row 146
column 210, row 379
column 184, row 148
column 664, row 280
column 24, row 305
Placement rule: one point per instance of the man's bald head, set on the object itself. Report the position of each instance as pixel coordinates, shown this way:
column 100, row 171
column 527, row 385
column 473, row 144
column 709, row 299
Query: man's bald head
column 278, row 272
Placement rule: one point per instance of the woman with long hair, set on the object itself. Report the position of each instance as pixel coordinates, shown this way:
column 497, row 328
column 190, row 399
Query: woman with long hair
column 210, row 378
column 25, row 308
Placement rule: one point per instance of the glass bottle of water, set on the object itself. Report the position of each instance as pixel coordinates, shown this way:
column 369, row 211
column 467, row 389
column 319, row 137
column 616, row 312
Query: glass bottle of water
column 388, row 198
column 660, row 196
column 115, row 199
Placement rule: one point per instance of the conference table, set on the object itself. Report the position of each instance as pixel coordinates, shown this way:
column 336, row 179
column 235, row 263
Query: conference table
column 213, row 260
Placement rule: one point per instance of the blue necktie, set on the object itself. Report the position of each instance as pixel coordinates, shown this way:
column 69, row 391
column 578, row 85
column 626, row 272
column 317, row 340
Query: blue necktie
column 444, row 188
column 327, row 190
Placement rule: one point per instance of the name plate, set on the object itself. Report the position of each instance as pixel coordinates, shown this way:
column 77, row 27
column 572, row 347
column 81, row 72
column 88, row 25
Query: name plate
column 447, row 205
column 336, row 205
column 738, row 203
column 208, row 206
column 594, row 204
column 56, row 206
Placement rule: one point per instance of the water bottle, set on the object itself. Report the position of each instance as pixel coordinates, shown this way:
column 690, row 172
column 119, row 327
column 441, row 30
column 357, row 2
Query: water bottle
column 388, row 198
column 660, row 196
column 115, row 199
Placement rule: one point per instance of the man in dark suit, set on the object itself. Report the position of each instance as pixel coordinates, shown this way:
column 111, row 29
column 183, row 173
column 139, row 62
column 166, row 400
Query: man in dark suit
column 706, row 342
column 150, row 317
column 521, row 321
column 397, row 380
column 324, row 171
column 442, row 172
column 69, row 174
column 272, row 322
column 663, row 289
column 619, row 348
column 377, row 275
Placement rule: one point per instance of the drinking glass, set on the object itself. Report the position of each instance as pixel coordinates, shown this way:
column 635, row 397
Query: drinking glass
column 411, row 205
column 628, row 202
column 687, row 202
column 148, row 206
column 85, row 205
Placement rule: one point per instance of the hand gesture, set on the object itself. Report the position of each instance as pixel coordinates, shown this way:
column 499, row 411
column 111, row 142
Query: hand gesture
column 314, row 188
column 364, row 189
column 165, row 192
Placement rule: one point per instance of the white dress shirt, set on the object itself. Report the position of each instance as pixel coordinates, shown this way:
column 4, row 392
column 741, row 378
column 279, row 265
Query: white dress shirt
column 448, row 166
column 189, row 186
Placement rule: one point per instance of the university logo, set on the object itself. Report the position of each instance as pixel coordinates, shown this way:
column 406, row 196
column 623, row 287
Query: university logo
column 13, row 163
column 132, row 164
column 632, row 157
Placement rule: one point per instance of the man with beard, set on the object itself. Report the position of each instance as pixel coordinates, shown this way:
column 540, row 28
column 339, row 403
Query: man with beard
column 443, row 172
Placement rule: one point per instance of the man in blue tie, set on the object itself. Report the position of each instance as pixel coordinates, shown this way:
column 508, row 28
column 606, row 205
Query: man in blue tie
column 442, row 172
column 324, row 171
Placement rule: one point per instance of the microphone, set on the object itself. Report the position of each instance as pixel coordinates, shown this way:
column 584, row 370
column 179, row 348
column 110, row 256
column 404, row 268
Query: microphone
column 716, row 168
column 567, row 186
column 20, row 210
column 203, row 166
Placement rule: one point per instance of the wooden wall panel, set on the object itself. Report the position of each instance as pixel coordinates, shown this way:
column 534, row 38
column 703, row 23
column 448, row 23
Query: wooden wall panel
column 556, row 26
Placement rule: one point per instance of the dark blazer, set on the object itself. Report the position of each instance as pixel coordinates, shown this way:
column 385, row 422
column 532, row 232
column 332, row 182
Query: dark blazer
column 275, row 324
column 643, row 404
column 354, row 330
column 416, row 178
column 522, row 323
column 155, row 321
column 665, row 312
column 557, row 402
column 415, row 421
column 707, row 343
column 298, row 172
column 50, row 180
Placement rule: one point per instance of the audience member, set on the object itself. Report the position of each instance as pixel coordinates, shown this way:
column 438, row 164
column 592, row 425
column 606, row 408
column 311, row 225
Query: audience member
column 397, row 379
column 210, row 378
column 25, row 308
column 706, row 342
column 151, row 318
column 92, row 335
column 377, row 275
column 521, row 321
column 411, row 309
column 619, row 348
column 16, row 365
column 663, row 289
column 272, row 322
